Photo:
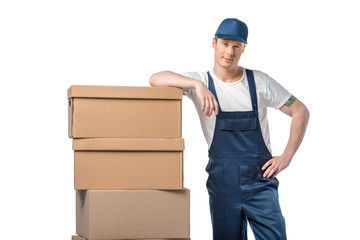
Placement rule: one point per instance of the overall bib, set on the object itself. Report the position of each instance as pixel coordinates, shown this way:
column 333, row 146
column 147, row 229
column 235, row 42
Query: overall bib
column 237, row 191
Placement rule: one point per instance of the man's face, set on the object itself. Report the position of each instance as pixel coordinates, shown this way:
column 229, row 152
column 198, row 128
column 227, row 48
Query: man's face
column 228, row 52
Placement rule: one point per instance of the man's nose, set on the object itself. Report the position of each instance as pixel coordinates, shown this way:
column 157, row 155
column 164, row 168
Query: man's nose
column 230, row 50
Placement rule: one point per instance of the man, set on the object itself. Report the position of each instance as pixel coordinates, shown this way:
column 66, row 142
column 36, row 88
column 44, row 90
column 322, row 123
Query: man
column 231, row 102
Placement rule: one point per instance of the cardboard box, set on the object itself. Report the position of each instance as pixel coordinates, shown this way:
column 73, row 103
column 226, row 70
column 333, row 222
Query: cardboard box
column 82, row 238
column 132, row 214
column 128, row 163
column 120, row 112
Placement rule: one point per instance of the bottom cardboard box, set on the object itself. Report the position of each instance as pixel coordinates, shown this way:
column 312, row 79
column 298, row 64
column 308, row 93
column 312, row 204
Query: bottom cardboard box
column 133, row 214
column 81, row 238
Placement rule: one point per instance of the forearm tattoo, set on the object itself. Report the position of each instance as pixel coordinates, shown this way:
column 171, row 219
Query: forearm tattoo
column 290, row 101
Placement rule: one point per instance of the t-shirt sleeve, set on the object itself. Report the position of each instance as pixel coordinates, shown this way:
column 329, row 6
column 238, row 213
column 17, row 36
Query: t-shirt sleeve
column 275, row 95
column 193, row 75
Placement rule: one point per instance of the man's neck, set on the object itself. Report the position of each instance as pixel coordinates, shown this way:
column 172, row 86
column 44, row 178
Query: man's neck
column 228, row 75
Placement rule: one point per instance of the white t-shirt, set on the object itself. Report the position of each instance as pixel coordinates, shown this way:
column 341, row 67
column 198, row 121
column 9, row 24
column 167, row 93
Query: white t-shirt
column 236, row 97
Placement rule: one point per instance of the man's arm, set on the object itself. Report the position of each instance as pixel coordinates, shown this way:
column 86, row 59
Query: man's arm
column 300, row 117
column 171, row 79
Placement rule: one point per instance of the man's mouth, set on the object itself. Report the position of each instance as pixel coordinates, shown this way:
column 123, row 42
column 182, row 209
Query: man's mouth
column 227, row 59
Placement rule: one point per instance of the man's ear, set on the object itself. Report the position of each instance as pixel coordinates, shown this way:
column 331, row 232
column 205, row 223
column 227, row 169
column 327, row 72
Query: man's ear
column 214, row 42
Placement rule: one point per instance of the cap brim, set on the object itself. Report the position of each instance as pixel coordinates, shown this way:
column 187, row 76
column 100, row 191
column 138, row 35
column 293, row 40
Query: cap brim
column 232, row 37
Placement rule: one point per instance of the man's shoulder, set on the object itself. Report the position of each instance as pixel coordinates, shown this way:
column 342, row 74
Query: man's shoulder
column 260, row 79
column 259, row 75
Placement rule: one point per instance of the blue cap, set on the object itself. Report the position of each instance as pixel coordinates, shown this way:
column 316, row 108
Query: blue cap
column 232, row 28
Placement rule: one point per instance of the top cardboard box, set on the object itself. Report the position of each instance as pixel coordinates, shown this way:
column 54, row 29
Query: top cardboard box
column 121, row 112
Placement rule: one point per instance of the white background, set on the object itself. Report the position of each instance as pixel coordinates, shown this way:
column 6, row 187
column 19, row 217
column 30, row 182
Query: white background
column 310, row 47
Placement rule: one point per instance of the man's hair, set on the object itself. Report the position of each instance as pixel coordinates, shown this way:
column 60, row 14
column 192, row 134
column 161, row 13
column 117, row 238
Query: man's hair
column 216, row 39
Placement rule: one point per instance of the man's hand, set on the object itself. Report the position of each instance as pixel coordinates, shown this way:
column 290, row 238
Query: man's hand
column 275, row 166
column 207, row 99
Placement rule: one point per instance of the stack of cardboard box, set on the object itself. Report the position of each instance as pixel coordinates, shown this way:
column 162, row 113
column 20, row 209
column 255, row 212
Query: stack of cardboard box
column 128, row 163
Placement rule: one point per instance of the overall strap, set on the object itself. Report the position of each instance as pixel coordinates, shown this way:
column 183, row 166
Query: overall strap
column 212, row 90
column 252, row 88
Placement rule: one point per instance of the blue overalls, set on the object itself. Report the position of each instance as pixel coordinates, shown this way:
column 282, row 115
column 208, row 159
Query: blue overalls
column 237, row 191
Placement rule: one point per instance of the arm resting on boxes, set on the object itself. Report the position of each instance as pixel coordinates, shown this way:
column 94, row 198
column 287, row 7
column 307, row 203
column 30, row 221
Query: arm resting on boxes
column 171, row 79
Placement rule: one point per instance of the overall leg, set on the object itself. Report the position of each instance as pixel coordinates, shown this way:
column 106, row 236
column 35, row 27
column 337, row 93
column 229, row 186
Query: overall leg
column 228, row 220
column 267, row 227
column 264, row 213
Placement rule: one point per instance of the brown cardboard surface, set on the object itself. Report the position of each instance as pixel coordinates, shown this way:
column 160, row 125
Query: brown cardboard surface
column 129, row 144
column 74, row 237
column 121, row 112
column 82, row 238
column 93, row 91
column 128, row 170
column 128, row 163
column 133, row 214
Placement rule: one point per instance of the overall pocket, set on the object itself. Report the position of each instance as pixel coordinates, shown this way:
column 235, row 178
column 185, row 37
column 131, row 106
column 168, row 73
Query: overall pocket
column 238, row 124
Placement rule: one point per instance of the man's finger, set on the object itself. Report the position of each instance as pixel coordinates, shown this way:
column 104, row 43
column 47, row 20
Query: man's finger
column 277, row 172
column 211, row 106
column 216, row 106
column 279, row 169
column 267, row 164
column 272, row 172
column 269, row 172
column 202, row 104
column 206, row 112
column 266, row 173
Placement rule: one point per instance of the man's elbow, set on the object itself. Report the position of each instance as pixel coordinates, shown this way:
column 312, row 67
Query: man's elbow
column 299, row 111
column 306, row 113
column 153, row 80
column 303, row 113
